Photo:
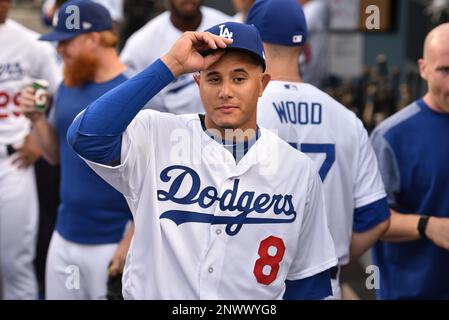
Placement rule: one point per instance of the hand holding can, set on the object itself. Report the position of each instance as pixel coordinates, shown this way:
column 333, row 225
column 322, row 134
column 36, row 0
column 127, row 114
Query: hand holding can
column 41, row 94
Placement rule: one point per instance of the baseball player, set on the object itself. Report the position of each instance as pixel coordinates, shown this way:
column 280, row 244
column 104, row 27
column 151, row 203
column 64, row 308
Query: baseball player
column 91, row 232
column 22, row 60
column 155, row 38
column 211, row 223
column 413, row 152
column 319, row 126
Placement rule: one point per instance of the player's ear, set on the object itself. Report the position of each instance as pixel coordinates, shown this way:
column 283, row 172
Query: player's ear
column 197, row 78
column 422, row 68
column 264, row 80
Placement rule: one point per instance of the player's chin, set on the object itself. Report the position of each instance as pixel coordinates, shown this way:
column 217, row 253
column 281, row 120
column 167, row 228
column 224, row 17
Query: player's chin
column 227, row 121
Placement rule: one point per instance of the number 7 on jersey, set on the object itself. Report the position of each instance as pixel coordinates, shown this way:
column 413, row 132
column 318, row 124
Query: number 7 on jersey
column 327, row 149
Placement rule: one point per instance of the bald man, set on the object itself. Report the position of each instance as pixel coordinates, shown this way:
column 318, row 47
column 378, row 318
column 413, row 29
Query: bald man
column 412, row 147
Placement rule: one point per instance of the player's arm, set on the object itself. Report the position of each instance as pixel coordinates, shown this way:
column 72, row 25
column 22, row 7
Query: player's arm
column 370, row 223
column 118, row 259
column 404, row 227
column 96, row 133
column 43, row 132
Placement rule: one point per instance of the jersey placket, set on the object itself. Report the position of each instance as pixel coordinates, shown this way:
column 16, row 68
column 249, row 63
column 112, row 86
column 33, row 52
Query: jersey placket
column 212, row 266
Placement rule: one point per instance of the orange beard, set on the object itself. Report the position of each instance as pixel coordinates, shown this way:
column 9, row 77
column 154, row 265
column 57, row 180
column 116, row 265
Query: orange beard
column 81, row 70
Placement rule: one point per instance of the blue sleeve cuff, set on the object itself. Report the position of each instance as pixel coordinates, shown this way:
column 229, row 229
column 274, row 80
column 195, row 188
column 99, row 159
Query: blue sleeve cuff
column 369, row 216
column 316, row 287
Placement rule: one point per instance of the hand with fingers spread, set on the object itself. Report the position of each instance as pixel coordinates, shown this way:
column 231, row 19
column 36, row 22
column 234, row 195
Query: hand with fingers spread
column 185, row 55
column 28, row 154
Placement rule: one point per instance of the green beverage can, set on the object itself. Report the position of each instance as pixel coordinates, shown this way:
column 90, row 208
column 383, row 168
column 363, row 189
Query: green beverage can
column 41, row 94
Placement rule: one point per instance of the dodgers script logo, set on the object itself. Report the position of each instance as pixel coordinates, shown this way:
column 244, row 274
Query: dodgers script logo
column 232, row 201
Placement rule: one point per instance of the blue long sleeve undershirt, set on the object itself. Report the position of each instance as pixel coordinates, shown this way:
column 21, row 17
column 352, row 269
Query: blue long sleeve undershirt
column 96, row 133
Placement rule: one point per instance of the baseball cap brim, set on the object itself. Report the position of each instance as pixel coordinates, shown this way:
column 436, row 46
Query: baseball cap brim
column 249, row 52
column 58, row 36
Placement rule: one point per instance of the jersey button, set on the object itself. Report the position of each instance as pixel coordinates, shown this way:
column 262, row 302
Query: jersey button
column 210, row 270
column 218, row 232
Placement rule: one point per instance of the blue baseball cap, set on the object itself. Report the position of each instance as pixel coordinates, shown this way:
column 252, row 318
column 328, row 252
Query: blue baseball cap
column 76, row 17
column 280, row 22
column 245, row 38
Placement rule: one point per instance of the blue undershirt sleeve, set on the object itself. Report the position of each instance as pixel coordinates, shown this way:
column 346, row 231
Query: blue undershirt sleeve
column 371, row 215
column 316, row 287
column 388, row 165
column 96, row 133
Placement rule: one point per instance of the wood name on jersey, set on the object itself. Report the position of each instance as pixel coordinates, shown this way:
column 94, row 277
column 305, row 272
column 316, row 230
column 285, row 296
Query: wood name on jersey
column 299, row 112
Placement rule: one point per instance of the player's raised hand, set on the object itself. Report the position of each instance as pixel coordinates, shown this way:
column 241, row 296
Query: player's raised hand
column 185, row 54
column 27, row 102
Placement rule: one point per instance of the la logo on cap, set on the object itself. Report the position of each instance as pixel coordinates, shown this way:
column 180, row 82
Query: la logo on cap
column 224, row 32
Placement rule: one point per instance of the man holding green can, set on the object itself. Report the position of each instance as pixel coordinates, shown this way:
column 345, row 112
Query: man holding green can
column 40, row 87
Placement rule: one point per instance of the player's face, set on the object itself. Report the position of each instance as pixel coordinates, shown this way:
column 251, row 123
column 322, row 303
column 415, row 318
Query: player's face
column 73, row 48
column 435, row 70
column 185, row 8
column 81, row 60
column 5, row 5
column 229, row 91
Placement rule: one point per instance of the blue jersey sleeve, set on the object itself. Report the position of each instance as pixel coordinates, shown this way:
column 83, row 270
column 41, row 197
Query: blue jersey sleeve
column 388, row 165
column 95, row 134
column 316, row 287
column 369, row 216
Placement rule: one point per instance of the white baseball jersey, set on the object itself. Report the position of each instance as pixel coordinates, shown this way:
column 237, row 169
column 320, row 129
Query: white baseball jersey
column 208, row 228
column 150, row 43
column 22, row 59
column 335, row 139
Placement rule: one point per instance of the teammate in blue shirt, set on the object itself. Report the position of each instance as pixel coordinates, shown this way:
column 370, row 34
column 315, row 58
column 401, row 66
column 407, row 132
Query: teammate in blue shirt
column 412, row 147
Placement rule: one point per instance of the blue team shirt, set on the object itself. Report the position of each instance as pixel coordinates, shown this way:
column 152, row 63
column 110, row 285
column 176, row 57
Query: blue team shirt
column 91, row 211
column 413, row 151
